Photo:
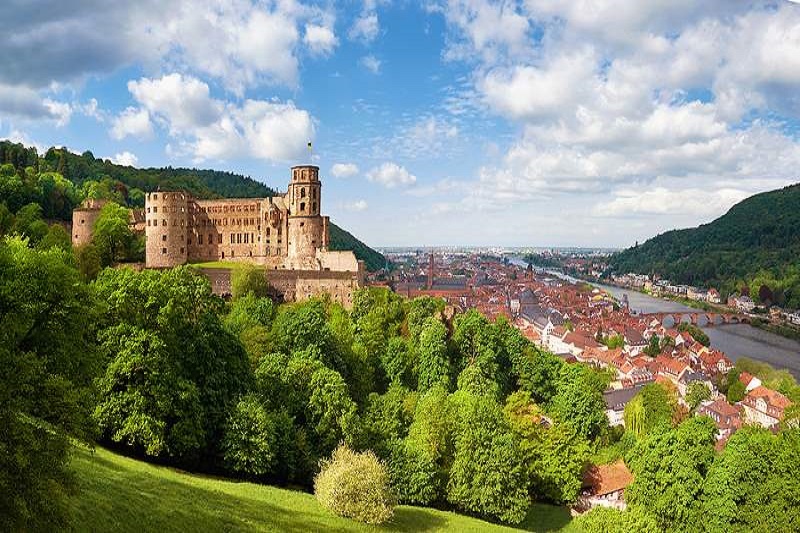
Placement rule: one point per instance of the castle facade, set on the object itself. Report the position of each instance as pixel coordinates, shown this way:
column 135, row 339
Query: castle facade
column 286, row 234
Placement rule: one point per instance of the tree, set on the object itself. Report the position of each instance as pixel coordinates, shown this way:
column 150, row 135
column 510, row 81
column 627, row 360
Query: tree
column 249, row 311
column 174, row 372
column 433, row 363
column 488, row 475
column 111, row 234
column 355, row 485
column 253, row 437
column 651, row 410
column 696, row 393
column 249, row 279
column 605, row 519
column 669, row 471
column 48, row 362
column 653, row 346
column 736, row 392
column 579, row 400
column 56, row 236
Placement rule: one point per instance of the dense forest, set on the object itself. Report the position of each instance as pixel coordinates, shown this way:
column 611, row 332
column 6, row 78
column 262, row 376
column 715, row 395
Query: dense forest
column 433, row 408
column 755, row 244
column 127, row 185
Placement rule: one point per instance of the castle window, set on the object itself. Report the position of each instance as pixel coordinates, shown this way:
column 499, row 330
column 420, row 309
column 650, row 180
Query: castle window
column 182, row 249
column 82, row 221
column 210, row 239
column 302, row 224
column 314, row 206
column 199, row 239
column 303, row 192
column 148, row 209
column 267, row 232
column 233, row 239
column 246, row 238
column 302, row 206
column 163, row 237
column 164, row 222
column 232, row 253
column 163, row 250
column 155, row 209
column 223, row 255
column 219, row 240
column 155, row 197
column 313, row 194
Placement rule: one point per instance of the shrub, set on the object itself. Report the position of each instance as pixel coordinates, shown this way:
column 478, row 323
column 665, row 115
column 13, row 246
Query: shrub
column 249, row 279
column 355, row 485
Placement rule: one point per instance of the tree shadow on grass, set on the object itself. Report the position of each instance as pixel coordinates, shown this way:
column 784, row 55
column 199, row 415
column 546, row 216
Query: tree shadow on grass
column 414, row 519
column 543, row 518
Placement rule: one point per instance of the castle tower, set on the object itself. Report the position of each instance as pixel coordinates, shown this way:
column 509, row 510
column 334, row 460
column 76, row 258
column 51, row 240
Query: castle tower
column 166, row 228
column 83, row 219
column 306, row 226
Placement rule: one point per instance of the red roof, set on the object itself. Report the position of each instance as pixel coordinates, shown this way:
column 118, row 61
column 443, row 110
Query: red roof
column 605, row 479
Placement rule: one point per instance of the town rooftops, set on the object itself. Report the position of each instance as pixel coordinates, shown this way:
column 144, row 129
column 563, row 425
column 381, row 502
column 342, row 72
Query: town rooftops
column 606, row 479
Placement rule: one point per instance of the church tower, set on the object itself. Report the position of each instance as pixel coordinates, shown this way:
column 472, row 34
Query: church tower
column 306, row 226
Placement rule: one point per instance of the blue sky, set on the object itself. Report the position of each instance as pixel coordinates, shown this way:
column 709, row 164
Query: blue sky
column 470, row 122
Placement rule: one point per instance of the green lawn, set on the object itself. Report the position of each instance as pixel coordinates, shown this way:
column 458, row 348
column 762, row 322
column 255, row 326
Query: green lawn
column 121, row 494
column 221, row 264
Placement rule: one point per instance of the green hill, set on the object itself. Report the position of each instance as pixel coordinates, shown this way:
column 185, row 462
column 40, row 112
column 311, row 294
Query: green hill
column 131, row 182
column 116, row 493
column 756, row 243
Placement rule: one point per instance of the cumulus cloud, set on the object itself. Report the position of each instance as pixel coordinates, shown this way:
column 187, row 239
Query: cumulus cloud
column 365, row 28
column 133, row 122
column 344, row 170
column 29, row 104
column 651, row 97
column 371, row 63
column 125, row 158
column 320, row 39
column 241, row 43
column 208, row 128
column 358, row 205
column 391, row 175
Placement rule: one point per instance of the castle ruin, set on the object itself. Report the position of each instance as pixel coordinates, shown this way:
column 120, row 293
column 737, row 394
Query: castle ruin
column 286, row 234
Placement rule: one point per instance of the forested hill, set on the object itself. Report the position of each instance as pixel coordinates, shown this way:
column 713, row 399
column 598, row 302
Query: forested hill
column 131, row 183
column 757, row 242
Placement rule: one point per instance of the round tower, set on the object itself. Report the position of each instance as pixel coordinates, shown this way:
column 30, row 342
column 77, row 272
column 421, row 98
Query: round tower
column 305, row 222
column 166, row 228
column 83, row 219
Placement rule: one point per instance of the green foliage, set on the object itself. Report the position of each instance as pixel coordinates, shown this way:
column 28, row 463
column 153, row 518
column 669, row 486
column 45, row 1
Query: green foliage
column 605, row 519
column 697, row 334
column 669, row 472
column 488, row 475
column 433, row 361
column 579, row 400
column 653, row 346
column 651, row 410
column 696, row 393
column 752, row 485
column 757, row 241
column 736, row 392
column 614, row 341
column 249, row 279
column 248, row 312
column 341, row 239
column 173, row 371
column 387, row 419
column 48, row 365
column 111, row 234
column 253, row 437
column 355, row 485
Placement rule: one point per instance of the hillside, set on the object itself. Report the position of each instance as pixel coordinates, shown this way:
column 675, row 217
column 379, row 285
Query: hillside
column 82, row 168
column 116, row 493
column 756, row 243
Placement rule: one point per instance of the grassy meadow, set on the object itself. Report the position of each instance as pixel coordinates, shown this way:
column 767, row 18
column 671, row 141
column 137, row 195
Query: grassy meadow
column 120, row 494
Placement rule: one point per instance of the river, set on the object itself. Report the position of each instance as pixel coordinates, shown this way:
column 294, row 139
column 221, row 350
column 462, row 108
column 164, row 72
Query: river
column 736, row 340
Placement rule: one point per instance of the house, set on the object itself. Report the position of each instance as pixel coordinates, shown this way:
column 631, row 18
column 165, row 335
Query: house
column 749, row 381
column 714, row 296
column 726, row 416
column 764, row 406
column 616, row 400
column 604, row 486
column 744, row 304
column 689, row 377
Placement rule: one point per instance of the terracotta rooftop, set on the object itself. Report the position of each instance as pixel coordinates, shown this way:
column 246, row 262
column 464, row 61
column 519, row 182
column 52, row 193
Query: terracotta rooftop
column 605, row 479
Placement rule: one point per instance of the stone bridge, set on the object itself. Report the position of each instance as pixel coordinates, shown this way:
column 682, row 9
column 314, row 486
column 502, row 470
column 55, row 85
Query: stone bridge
column 701, row 319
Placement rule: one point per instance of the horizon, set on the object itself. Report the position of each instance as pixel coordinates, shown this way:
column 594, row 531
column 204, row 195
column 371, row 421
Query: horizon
column 495, row 124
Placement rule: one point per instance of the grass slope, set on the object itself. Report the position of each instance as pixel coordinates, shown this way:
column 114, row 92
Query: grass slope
column 117, row 493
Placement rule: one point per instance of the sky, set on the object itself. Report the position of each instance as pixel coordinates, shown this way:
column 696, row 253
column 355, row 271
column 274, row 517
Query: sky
column 442, row 122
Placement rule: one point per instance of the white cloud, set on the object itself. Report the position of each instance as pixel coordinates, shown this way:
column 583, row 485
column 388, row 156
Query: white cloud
column 371, row 63
column 391, row 175
column 133, row 122
column 663, row 201
column 344, row 170
column 365, row 28
column 26, row 103
column 320, row 39
column 240, row 43
column 207, row 128
column 358, row 205
column 125, row 158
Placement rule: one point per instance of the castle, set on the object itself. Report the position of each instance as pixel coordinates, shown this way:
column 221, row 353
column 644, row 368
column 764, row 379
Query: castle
column 286, row 234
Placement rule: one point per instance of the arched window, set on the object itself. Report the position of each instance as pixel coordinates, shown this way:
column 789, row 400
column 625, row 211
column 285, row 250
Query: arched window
column 302, row 206
column 303, row 192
